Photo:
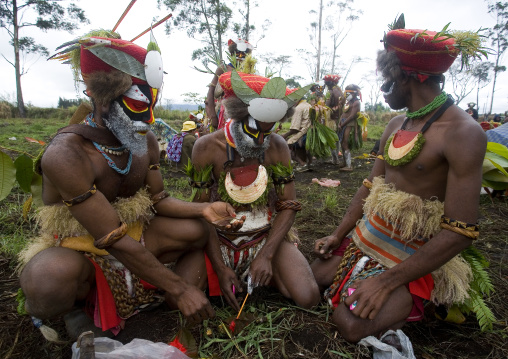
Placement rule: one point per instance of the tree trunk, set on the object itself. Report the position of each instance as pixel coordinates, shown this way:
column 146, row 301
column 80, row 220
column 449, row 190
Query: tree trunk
column 19, row 93
column 494, row 81
column 318, row 66
column 247, row 18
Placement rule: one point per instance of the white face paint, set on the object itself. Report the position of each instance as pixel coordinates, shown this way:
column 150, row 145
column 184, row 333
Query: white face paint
column 129, row 133
column 349, row 97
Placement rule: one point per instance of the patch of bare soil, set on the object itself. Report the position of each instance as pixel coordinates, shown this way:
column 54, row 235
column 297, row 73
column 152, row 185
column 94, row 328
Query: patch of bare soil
column 312, row 336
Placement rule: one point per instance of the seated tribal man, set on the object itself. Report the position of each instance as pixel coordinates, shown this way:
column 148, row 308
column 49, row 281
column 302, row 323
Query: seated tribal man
column 400, row 240
column 107, row 218
column 242, row 162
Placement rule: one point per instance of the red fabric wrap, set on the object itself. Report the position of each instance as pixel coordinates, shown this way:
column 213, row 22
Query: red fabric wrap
column 421, row 54
column 255, row 82
column 91, row 63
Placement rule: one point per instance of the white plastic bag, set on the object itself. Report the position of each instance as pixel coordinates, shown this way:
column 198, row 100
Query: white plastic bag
column 382, row 350
column 106, row 348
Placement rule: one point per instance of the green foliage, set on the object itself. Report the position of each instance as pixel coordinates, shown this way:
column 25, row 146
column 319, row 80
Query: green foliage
column 320, row 139
column 495, row 166
column 331, row 200
column 480, row 286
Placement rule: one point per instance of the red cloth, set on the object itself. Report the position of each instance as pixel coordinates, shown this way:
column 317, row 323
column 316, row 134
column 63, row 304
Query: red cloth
column 255, row 82
column 91, row 63
column 421, row 54
column 102, row 297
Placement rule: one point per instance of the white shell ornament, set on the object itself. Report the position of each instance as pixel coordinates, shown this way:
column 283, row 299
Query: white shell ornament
column 267, row 109
column 153, row 69
column 250, row 193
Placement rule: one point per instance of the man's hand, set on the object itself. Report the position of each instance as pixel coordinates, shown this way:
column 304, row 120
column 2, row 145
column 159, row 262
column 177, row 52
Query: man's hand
column 222, row 215
column 194, row 305
column 323, row 247
column 228, row 281
column 261, row 270
column 370, row 296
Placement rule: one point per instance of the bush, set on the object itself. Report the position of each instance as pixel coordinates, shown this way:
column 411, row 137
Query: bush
column 6, row 110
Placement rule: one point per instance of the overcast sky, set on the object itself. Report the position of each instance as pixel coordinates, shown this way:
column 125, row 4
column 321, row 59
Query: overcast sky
column 46, row 81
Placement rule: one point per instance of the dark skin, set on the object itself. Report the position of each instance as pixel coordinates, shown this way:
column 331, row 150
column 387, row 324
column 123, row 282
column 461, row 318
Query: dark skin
column 279, row 262
column 448, row 168
column 177, row 232
column 347, row 117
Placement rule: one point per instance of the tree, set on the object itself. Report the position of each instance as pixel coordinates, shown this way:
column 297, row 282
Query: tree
column 462, row 81
column 205, row 20
column 276, row 63
column 243, row 29
column 323, row 61
column 43, row 14
column 480, row 73
column 499, row 39
column 338, row 26
column 374, row 90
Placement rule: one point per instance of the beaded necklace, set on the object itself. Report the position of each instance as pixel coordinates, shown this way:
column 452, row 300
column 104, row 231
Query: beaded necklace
column 436, row 102
column 112, row 150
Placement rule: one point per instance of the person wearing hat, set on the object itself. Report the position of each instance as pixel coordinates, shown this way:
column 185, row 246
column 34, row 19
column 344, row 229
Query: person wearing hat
column 239, row 50
column 106, row 216
column 472, row 111
column 405, row 228
column 180, row 146
column 248, row 166
column 335, row 101
column 348, row 129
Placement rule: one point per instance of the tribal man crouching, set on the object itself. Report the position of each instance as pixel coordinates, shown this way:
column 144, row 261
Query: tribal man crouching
column 107, row 224
column 242, row 162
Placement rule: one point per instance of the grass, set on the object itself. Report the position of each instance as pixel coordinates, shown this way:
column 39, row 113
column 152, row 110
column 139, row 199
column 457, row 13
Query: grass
column 273, row 327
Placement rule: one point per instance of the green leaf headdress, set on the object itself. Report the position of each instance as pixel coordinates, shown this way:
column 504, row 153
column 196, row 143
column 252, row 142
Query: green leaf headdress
column 268, row 99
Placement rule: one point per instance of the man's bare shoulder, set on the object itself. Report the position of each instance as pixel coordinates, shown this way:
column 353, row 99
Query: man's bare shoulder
column 462, row 124
column 65, row 150
column 207, row 147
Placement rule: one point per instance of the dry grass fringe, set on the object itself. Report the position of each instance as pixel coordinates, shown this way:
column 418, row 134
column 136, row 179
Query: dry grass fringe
column 58, row 219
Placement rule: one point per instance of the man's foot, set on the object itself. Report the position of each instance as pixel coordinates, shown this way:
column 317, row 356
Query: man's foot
column 77, row 322
column 346, row 169
column 304, row 168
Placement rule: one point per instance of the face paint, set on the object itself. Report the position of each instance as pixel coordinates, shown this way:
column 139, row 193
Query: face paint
column 387, row 87
column 245, row 144
column 138, row 103
column 349, row 97
column 131, row 134
column 253, row 129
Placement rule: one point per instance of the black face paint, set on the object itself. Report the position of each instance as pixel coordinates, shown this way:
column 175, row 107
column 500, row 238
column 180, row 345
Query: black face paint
column 139, row 110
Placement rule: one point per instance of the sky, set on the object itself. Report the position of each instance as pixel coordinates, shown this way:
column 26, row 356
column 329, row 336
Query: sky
column 46, row 81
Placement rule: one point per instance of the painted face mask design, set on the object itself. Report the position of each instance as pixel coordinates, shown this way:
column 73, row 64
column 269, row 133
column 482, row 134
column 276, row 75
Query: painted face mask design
column 254, row 131
column 138, row 103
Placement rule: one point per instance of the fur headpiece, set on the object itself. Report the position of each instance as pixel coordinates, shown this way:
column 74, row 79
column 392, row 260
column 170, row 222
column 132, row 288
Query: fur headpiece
column 109, row 65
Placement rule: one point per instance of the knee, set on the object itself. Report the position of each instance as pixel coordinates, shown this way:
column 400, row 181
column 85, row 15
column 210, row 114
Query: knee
column 51, row 281
column 308, row 297
column 347, row 326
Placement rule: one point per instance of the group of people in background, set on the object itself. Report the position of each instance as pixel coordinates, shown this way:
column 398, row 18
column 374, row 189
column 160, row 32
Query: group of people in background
column 108, row 218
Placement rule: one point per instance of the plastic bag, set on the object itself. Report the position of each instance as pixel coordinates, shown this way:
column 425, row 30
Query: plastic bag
column 106, row 348
column 382, row 348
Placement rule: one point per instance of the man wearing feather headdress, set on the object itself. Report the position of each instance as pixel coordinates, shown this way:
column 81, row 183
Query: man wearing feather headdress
column 248, row 166
column 239, row 52
column 401, row 239
column 108, row 226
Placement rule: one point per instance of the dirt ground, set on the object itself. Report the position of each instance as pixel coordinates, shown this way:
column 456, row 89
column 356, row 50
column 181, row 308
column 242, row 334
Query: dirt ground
column 311, row 336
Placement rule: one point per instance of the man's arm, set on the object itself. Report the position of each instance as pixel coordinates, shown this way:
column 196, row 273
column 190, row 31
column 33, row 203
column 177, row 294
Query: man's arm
column 210, row 98
column 323, row 247
column 464, row 152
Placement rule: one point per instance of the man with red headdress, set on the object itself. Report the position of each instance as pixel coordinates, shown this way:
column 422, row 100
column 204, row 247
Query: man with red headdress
column 108, row 226
column 248, row 166
column 400, row 241
column 335, row 101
